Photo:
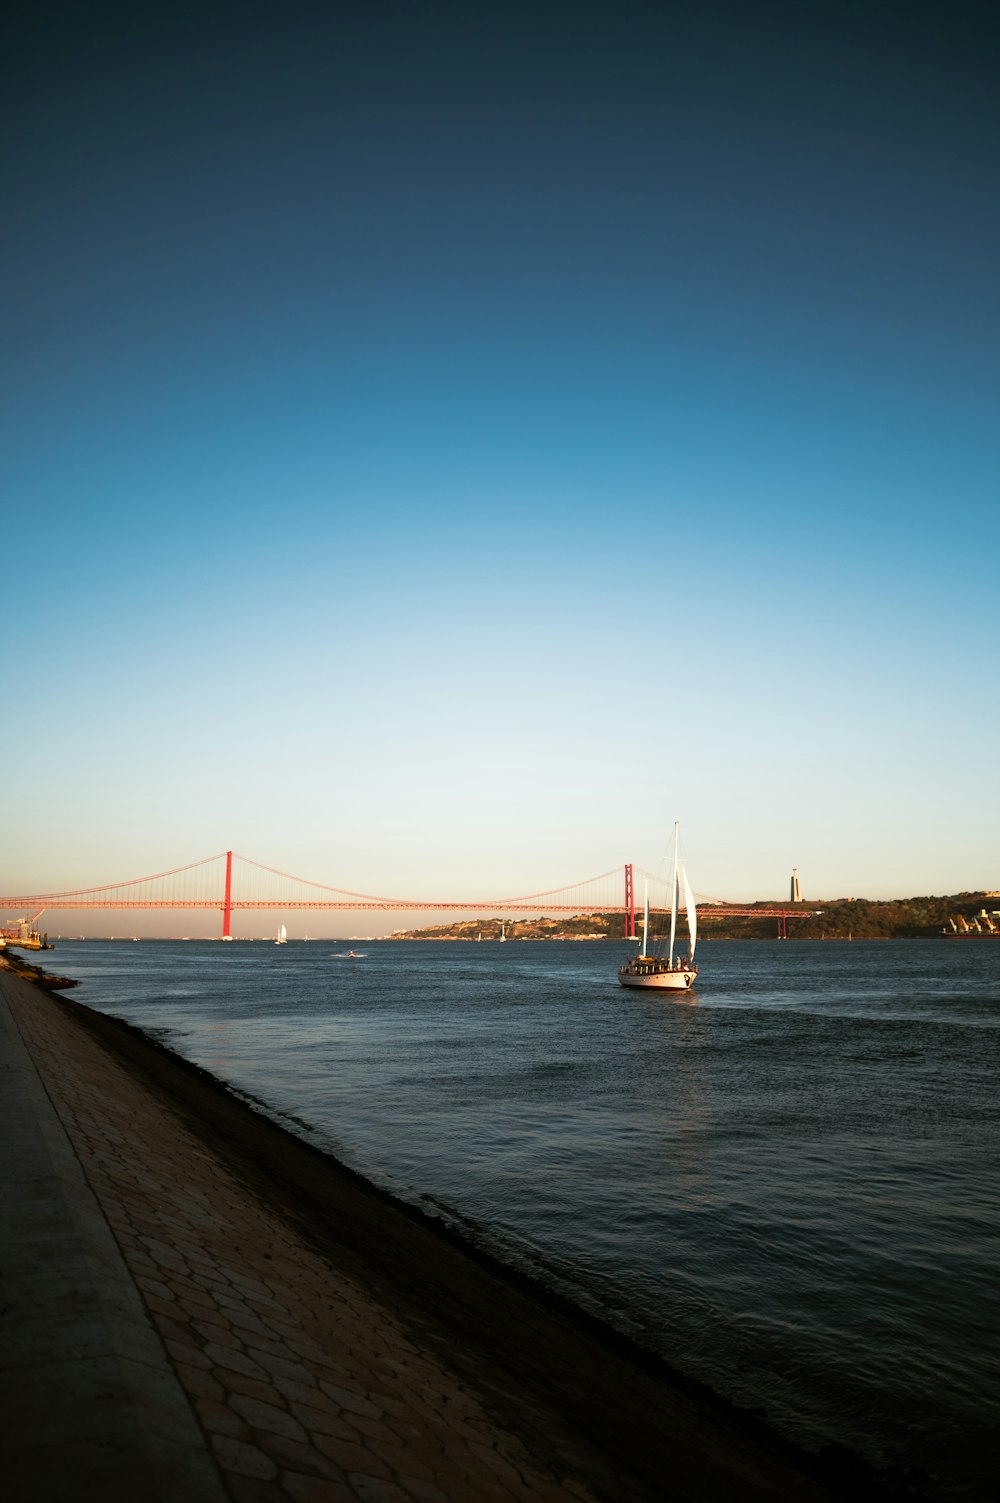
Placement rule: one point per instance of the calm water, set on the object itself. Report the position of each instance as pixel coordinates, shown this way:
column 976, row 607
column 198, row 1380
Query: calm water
column 785, row 1184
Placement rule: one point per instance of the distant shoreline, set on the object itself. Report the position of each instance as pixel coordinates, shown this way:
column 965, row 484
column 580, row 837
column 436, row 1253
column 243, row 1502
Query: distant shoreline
column 964, row 915
column 813, row 939
column 418, row 936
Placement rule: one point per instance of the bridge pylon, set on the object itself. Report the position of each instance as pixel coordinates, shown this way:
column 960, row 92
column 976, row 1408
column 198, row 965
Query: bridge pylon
column 227, row 901
column 629, row 903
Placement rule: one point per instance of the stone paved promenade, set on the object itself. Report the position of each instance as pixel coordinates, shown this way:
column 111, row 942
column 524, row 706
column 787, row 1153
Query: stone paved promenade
column 268, row 1373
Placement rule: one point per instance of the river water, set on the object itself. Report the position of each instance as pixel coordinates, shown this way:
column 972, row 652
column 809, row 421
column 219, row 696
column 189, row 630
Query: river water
column 785, row 1183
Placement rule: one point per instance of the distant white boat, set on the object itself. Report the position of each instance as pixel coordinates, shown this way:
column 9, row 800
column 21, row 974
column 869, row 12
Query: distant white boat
column 663, row 972
column 503, row 933
column 282, row 935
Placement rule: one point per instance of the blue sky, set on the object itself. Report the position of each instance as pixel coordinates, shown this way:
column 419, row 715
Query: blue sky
column 442, row 448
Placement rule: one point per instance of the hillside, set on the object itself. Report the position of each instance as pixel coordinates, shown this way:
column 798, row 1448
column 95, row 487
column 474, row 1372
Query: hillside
column 837, row 918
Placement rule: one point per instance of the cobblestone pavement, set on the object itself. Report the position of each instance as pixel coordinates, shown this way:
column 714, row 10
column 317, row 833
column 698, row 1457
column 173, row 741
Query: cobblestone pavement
column 305, row 1387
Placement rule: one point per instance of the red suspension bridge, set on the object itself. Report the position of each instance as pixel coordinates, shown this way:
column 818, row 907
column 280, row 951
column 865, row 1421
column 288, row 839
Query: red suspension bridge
column 231, row 883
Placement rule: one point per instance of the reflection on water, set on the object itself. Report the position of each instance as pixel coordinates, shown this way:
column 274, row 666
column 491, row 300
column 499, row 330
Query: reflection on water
column 784, row 1182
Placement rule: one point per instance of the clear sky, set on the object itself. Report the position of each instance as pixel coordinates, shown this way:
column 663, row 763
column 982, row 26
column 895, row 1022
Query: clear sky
column 442, row 445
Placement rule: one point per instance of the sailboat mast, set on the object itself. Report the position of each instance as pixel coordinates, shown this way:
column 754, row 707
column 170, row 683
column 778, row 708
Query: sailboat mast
column 645, row 921
column 673, row 893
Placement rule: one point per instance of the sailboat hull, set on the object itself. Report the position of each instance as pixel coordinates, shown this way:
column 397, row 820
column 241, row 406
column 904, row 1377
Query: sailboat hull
column 660, row 981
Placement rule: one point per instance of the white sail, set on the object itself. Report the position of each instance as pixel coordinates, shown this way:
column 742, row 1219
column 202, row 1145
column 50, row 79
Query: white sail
column 692, row 915
column 673, row 893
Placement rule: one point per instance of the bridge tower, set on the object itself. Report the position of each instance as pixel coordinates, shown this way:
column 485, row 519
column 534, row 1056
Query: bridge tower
column 629, row 903
column 227, row 902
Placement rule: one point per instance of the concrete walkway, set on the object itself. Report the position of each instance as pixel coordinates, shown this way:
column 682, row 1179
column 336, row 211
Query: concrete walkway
column 91, row 1405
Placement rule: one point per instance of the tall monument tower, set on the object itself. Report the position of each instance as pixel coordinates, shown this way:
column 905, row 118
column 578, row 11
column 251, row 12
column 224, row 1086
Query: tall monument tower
column 796, row 895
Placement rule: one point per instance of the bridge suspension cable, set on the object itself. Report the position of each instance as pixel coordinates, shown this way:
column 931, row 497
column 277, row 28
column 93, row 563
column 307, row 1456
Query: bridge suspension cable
column 135, row 892
column 419, row 903
column 252, row 885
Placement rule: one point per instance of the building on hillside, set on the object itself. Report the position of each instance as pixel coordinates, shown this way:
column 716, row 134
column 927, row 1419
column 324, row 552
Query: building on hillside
column 796, row 894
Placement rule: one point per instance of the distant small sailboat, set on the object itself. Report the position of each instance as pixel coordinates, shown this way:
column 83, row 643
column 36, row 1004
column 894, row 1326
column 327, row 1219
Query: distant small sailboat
column 282, row 937
column 663, row 972
column 503, row 933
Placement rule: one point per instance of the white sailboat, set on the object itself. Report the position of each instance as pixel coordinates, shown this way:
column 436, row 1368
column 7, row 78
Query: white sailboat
column 664, row 972
column 282, row 936
column 503, row 932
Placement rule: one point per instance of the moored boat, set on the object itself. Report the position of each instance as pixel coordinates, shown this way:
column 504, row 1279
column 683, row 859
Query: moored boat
column 22, row 935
